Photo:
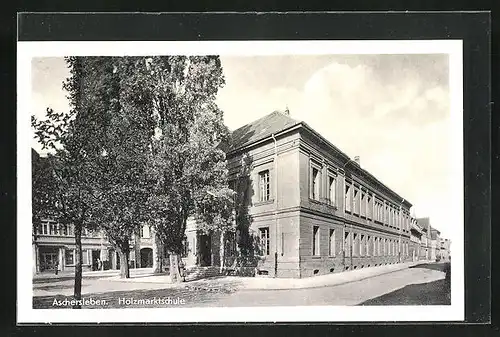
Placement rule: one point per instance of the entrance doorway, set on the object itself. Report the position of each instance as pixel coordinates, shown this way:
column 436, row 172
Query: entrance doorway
column 205, row 250
column 146, row 258
column 48, row 258
column 96, row 254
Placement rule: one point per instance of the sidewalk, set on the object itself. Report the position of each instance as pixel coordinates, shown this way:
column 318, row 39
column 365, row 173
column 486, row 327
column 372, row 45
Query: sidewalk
column 134, row 273
column 266, row 283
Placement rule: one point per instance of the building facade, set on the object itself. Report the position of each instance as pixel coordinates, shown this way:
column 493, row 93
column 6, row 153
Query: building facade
column 435, row 244
column 445, row 249
column 314, row 210
column 416, row 249
column 432, row 239
column 54, row 246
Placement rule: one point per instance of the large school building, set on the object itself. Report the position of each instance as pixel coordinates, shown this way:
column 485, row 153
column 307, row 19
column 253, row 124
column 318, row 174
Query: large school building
column 312, row 209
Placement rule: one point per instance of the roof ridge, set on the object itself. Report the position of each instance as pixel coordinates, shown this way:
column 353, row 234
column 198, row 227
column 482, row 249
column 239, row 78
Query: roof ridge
column 274, row 112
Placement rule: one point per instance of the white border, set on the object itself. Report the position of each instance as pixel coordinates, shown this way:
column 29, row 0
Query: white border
column 26, row 314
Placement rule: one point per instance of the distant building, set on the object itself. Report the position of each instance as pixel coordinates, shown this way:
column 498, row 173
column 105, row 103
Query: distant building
column 431, row 239
column 445, row 249
column 424, row 224
column 53, row 245
column 435, row 244
column 417, row 252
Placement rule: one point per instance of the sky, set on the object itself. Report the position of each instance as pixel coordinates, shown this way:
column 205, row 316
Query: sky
column 391, row 110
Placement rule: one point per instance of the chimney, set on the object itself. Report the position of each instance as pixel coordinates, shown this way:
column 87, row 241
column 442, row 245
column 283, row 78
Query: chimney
column 356, row 159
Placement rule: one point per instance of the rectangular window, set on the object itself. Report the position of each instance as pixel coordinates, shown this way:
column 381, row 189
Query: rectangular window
column 65, row 230
column 363, row 204
column 315, row 183
column 347, row 244
column 331, row 250
column 264, row 240
column 355, row 244
column 69, row 257
column 145, row 233
column 85, row 256
column 264, row 186
column 369, row 207
column 367, row 245
column 52, row 229
column 315, row 240
column 348, row 197
column 332, row 187
column 45, row 229
column 362, row 245
column 356, row 200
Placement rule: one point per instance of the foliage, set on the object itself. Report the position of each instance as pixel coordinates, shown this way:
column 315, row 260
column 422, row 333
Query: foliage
column 185, row 161
column 72, row 138
column 121, row 185
column 43, row 190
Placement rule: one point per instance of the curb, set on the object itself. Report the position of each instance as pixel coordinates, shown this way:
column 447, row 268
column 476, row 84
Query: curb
column 331, row 284
column 84, row 276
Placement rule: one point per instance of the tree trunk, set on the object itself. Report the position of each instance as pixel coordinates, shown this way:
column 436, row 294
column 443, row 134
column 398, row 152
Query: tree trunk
column 124, row 261
column 175, row 275
column 222, row 251
column 157, row 255
column 78, row 266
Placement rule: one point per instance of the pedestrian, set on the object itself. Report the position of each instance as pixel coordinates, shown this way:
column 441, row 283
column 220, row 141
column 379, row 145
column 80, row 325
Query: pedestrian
column 99, row 264
column 56, row 266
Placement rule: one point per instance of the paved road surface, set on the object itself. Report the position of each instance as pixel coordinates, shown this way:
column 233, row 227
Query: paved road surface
column 353, row 293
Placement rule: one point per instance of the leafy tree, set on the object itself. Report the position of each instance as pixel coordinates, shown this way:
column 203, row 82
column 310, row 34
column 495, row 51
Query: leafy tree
column 71, row 139
column 186, row 160
column 43, row 190
column 121, row 186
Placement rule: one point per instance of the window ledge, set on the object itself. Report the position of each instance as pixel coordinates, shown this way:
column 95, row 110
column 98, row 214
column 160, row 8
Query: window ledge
column 316, row 257
column 261, row 203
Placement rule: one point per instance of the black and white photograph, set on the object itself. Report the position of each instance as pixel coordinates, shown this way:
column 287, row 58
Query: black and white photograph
column 241, row 180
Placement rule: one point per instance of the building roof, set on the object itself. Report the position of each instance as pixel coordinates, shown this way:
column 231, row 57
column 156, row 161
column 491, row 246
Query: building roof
column 434, row 233
column 424, row 223
column 276, row 122
column 260, row 129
